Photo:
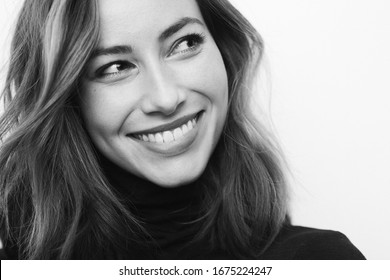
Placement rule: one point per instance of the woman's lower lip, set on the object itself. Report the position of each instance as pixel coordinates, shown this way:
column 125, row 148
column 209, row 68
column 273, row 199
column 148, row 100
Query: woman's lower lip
column 175, row 147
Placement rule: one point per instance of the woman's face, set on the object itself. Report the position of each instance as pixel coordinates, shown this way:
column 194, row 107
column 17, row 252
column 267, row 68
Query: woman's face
column 154, row 97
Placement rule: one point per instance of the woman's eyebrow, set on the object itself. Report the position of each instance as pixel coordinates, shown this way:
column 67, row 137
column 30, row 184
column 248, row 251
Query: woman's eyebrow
column 177, row 26
column 121, row 49
column 126, row 49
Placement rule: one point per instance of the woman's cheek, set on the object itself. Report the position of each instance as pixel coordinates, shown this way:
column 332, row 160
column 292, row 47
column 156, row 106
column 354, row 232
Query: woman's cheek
column 214, row 77
column 105, row 107
column 207, row 74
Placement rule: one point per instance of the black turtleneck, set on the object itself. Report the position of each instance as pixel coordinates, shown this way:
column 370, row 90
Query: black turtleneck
column 171, row 217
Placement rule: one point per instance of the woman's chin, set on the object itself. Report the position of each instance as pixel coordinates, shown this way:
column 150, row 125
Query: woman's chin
column 175, row 180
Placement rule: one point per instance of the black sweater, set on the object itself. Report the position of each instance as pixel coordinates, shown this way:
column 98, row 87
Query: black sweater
column 168, row 215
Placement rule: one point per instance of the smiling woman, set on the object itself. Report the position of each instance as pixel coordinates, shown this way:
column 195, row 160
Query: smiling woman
column 155, row 94
column 127, row 134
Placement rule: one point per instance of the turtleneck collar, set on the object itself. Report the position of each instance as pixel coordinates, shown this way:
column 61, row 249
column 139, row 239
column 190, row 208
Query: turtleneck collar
column 168, row 214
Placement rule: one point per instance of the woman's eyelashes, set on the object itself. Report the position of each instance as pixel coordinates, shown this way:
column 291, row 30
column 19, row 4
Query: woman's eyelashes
column 115, row 70
column 185, row 46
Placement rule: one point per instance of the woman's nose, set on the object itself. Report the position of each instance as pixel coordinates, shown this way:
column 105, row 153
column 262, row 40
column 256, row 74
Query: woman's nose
column 162, row 94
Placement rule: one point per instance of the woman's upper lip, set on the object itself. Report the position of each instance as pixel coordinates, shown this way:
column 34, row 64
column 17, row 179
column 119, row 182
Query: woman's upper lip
column 168, row 126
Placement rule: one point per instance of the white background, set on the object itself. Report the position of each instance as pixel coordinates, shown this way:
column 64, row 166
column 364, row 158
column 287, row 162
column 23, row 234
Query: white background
column 329, row 66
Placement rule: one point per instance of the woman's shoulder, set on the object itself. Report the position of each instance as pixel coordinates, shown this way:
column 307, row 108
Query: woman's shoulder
column 303, row 243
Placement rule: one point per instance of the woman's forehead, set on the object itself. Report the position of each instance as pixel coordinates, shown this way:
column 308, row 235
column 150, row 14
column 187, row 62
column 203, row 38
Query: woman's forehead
column 137, row 17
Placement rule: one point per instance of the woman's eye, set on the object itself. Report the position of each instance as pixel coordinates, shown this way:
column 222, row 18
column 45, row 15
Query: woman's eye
column 114, row 70
column 189, row 43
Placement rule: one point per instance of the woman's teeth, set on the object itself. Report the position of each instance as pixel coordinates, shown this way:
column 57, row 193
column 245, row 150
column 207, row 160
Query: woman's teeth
column 169, row 135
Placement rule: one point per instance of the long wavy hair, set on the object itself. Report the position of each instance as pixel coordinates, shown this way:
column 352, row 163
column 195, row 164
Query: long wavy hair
column 55, row 202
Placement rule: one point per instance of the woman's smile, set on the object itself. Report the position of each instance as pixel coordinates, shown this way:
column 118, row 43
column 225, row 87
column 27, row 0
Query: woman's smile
column 168, row 132
column 175, row 139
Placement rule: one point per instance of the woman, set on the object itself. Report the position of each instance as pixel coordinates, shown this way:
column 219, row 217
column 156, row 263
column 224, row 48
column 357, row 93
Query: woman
column 131, row 138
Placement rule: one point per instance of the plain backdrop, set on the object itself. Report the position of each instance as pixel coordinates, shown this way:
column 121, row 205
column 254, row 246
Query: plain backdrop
column 328, row 68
